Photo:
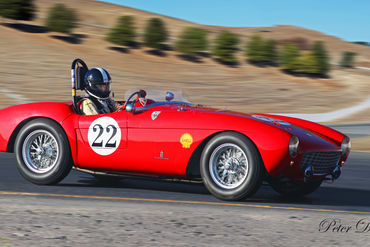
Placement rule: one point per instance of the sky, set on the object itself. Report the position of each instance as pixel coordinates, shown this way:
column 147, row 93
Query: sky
column 346, row 19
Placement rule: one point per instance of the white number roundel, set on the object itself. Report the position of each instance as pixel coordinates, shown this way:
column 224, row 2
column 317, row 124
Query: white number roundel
column 104, row 135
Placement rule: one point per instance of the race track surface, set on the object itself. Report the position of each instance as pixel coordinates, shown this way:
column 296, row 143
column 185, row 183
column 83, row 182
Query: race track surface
column 178, row 213
column 349, row 193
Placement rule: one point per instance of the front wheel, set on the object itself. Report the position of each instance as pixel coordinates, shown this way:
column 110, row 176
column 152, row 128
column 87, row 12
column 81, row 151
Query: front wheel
column 231, row 167
column 290, row 188
column 42, row 152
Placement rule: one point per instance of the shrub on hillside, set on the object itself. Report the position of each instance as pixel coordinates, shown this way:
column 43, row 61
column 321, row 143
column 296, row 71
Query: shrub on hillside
column 306, row 64
column 192, row 40
column 61, row 19
column 254, row 49
column 124, row 32
column 314, row 62
column 270, row 51
column 288, row 57
column 155, row 33
column 321, row 56
column 226, row 44
column 259, row 50
column 348, row 59
column 17, row 9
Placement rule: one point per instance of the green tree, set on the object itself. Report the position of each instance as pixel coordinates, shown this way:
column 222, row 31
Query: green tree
column 192, row 40
column 261, row 50
column 17, row 9
column 155, row 33
column 270, row 51
column 255, row 49
column 61, row 19
column 306, row 63
column 321, row 57
column 289, row 56
column 124, row 32
column 348, row 59
column 226, row 44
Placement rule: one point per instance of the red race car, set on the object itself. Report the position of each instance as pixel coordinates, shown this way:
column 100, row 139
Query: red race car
column 231, row 152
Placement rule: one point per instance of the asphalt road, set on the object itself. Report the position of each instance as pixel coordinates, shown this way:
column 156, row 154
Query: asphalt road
column 350, row 192
column 176, row 213
column 353, row 130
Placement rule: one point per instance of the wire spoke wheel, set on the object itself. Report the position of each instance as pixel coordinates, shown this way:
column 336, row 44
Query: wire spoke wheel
column 228, row 166
column 231, row 167
column 40, row 151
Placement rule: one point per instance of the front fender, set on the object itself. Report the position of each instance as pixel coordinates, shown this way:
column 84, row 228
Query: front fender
column 311, row 126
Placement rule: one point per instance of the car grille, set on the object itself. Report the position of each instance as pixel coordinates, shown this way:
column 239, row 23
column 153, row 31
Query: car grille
column 322, row 162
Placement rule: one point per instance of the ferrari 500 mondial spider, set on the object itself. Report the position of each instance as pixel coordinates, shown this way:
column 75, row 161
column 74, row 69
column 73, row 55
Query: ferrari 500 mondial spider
column 231, row 152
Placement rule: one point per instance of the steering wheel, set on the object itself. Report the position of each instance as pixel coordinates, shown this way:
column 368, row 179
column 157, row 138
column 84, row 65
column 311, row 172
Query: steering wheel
column 141, row 93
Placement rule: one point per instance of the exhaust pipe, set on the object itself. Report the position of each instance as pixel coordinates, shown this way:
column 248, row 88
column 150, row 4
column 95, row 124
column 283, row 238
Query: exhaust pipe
column 336, row 172
column 308, row 173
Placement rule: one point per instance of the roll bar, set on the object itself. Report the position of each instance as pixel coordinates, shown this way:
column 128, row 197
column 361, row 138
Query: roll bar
column 78, row 71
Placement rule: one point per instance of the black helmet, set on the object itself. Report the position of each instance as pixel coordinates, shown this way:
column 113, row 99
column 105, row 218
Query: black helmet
column 97, row 83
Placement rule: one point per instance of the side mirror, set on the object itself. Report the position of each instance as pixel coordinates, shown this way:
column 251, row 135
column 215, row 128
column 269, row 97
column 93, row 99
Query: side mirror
column 130, row 107
column 169, row 96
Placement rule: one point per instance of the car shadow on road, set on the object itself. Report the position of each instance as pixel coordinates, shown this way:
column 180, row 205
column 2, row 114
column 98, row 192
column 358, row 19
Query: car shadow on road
column 324, row 196
column 139, row 184
column 331, row 196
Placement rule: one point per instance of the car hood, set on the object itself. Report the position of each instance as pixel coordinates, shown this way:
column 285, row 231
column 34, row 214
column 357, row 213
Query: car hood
column 306, row 135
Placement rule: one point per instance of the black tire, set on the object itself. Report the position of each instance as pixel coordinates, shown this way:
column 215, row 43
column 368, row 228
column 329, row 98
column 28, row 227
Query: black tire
column 216, row 151
column 55, row 151
column 290, row 188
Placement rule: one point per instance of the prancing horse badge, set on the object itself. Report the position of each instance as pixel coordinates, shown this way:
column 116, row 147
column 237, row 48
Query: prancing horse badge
column 155, row 114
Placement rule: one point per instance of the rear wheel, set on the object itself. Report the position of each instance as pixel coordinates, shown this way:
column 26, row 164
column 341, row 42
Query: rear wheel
column 231, row 167
column 290, row 188
column 42, row 152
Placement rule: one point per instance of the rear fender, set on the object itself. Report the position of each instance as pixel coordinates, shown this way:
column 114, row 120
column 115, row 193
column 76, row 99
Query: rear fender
column 15, row 117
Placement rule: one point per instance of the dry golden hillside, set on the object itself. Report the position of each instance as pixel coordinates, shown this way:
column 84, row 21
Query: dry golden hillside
column 34, row 66
column 100, row 15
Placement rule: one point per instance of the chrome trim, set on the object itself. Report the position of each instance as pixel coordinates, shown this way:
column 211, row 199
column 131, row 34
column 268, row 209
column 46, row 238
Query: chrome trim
column 40, row 151
column 228, row 166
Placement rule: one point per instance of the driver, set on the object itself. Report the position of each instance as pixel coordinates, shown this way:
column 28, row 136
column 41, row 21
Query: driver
column 98, row 88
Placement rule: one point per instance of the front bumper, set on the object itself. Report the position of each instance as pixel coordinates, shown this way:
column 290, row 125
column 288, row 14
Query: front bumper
column 316, row 165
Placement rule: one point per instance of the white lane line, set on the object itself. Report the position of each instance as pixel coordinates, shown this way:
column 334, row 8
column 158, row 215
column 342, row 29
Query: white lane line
column 363, row 68
column 184, row 202
column 18, row 98
column 333, row 115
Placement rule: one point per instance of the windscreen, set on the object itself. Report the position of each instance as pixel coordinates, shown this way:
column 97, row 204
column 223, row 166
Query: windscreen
column 159, row 94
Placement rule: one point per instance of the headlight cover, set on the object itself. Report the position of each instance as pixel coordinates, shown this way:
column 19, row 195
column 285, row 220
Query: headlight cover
column 346, row 146
column 293, row 146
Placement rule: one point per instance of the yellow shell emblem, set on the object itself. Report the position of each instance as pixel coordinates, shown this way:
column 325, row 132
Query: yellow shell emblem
column 186, row 140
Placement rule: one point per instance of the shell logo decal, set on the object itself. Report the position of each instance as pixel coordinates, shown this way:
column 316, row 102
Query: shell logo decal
column 186, row 140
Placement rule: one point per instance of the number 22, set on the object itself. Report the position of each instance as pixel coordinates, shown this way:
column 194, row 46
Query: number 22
column 109, row 144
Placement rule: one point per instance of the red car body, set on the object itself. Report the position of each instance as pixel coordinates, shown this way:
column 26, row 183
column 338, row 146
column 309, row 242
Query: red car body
column 231, row 152
column 155, row 147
